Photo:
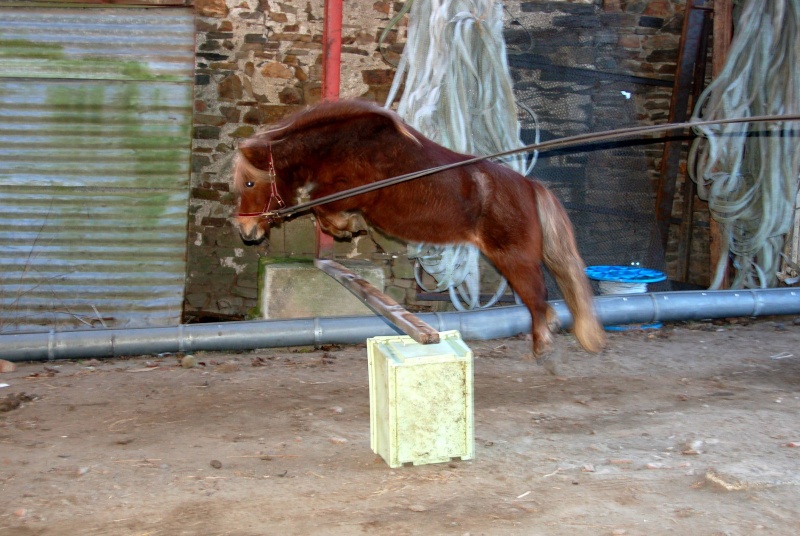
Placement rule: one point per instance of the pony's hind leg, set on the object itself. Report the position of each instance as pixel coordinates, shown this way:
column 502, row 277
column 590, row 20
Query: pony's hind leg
column 552, row 358
column 524, row 274
column 553, row 322
column 541, row 313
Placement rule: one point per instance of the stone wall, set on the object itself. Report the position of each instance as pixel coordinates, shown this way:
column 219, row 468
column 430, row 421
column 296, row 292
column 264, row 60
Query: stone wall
column 258, row 60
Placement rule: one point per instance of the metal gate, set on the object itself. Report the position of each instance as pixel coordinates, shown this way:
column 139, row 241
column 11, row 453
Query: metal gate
column 95, row 146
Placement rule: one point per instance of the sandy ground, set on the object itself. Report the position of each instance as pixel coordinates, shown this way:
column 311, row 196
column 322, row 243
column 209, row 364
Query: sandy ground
column 691, row 430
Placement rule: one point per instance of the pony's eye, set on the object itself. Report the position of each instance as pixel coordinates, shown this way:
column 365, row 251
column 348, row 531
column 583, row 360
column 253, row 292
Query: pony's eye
column 249, row 184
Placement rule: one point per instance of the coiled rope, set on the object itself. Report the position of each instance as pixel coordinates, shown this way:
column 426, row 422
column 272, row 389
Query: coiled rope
column 615, row 287
column 458, row 92
column 454, row 269
column 750, row 180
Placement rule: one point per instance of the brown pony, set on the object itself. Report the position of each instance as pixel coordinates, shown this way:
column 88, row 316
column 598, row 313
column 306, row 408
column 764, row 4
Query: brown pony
column 516, row 222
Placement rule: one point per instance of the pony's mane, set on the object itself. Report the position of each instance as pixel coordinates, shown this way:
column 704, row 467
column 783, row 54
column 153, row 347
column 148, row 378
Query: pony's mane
column 319, row 115
column 325, row 113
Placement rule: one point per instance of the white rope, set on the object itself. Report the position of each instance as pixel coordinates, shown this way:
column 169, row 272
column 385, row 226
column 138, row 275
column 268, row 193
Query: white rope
column 458, row 92
column 453, row 269
column 615, row 287
column 750, row 181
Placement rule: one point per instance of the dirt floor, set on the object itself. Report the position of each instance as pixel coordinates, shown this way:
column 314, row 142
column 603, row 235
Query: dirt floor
column 694, row 429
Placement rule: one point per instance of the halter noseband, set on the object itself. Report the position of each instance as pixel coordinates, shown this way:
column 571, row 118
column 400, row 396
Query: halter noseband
column 268, row 211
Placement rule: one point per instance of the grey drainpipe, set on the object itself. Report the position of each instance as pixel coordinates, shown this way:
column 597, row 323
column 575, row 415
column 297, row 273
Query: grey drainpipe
column 493, row 323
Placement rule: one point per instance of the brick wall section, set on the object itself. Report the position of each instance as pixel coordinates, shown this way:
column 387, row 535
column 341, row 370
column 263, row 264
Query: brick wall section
column 258, row 60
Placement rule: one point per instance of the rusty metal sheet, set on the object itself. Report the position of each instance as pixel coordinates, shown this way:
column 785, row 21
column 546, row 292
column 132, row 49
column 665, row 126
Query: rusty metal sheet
column 95, row 140
column 97, row 43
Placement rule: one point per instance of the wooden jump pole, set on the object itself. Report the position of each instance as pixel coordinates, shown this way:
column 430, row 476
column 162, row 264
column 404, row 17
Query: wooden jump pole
column 379, row 302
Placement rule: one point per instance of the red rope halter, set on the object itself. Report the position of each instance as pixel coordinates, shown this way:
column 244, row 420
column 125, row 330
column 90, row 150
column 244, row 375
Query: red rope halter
column 273, row 195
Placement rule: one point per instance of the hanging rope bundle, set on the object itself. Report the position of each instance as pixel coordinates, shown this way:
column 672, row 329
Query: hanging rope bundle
column 750, row 180
column 458, row 92
column 458, row 87
column 453, row 264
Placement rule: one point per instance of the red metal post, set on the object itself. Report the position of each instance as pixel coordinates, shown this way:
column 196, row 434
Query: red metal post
column 331, row 72
column 332, row 49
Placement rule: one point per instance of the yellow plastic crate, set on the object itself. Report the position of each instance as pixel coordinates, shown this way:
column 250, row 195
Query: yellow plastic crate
column 421, row 399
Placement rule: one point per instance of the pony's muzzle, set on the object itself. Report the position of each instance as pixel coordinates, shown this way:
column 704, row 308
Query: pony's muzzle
column 250, row 229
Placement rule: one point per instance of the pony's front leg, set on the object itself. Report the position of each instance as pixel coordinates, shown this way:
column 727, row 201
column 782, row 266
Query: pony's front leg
column 339, row 224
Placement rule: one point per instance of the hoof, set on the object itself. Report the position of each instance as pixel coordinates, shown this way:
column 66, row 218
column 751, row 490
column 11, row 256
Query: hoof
column 542, row 348
column 551, row 361
column 546, row 352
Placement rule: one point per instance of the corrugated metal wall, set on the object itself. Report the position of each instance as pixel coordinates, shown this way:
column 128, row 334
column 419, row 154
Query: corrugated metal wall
column 95, row 135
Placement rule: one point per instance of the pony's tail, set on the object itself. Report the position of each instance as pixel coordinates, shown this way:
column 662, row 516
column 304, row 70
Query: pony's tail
column 561, row 257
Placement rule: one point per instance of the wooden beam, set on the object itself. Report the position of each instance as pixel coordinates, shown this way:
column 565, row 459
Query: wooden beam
column 723, row 34
column 684, row 255
column 691, row 40
column 792, row 248
column 379, row 302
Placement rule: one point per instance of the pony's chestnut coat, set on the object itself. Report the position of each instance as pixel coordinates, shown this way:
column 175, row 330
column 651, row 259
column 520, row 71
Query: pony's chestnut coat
column 516, row 222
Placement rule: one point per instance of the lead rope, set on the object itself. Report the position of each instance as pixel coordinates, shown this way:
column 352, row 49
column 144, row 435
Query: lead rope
column 560, row 143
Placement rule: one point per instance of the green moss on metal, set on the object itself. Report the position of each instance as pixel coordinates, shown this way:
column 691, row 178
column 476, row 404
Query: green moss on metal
column 24, row 49
column 150, row 162
column 138, row 71
column 59, row 64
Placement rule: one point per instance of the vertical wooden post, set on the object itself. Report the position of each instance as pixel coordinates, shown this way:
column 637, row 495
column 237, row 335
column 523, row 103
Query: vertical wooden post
column 723, row 34
column 691, row 39
column 689, row 188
